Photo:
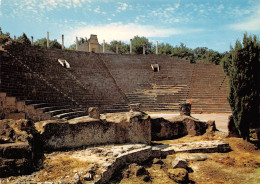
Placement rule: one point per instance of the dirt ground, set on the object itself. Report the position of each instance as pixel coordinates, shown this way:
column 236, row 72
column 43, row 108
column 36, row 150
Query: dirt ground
column 239, row 166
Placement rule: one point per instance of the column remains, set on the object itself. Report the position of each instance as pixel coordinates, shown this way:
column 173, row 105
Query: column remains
column 156, row 47
column 130, row 46
column 32, row 40
column 62, row 42
column 48, row 41
column 143, row 49
column 77, row 43
column 89, row 46
column 103, row 46
column 117, row 48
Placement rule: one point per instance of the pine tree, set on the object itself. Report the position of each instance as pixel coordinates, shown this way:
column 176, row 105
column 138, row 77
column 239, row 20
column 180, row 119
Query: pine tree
column 24, row 39
column 243, row 71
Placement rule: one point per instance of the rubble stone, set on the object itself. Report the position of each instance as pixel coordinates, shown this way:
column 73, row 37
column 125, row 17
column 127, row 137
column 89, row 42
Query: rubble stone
column 179, row 175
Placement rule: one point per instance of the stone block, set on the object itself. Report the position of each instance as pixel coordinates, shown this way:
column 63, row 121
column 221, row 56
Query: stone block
column 2, row 95
column 15, row 151
column 94, row 112
column 15, row 116
column 135, row 107
column 185, row 109
column 211, row 126
column 179, row 163
column 20, row 105
column 10, row 101
column 179, row 175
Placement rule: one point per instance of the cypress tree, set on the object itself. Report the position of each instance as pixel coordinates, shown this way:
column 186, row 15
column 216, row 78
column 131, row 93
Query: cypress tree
column 243, row 71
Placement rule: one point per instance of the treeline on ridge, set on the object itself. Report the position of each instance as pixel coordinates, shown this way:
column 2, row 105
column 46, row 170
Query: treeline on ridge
column 199, row 54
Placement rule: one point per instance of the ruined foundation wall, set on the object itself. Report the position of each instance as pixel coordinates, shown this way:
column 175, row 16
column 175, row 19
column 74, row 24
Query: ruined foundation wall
column 61, row 134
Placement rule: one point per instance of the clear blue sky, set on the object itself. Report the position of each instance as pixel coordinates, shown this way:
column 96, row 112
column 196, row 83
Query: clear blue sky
column 215, row 24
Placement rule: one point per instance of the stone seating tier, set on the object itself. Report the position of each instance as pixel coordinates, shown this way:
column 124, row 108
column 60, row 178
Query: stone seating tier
column 44, row 62
column 203, row 82
column 110, row 82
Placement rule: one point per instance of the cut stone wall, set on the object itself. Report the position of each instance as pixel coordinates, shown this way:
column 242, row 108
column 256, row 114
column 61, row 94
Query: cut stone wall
column 180, row 126
column 130, row 127
column 11, row 108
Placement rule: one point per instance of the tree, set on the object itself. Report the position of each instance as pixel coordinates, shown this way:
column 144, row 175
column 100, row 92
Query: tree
column 242, row 66
column 183, row 52
column 43, row 43
column 214, row 57
column 166, row 49
column 200, row 53
column 80, row 42
column 4, row 37
column 138, row 43
column 55, row 44
column 24, row 39
column 122, row 47
column 72, row 47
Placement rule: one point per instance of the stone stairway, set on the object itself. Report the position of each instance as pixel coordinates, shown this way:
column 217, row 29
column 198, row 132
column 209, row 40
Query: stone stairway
column 178, row 81
column 52, row 87
column 33, row 76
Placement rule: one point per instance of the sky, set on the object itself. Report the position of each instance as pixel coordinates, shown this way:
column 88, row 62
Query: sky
column 215, row 24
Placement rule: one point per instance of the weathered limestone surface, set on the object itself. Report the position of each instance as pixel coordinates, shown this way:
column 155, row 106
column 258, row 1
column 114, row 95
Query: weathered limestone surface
column 179, row 175
column 198, row 147
column 128, row 127
column 94, row 112
column 16, row 152
column 180, row 126
column 12, row 131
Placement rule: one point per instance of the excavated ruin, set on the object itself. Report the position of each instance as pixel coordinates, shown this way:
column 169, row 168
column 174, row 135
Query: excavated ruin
column 88, row 111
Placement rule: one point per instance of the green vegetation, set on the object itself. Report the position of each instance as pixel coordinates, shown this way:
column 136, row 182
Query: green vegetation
column 139, row 42
column 43, row 43
column 199, row 54
column 80, row 41
column 4, row 37
column 24, row 39
column 122, row 47
column 242, row 65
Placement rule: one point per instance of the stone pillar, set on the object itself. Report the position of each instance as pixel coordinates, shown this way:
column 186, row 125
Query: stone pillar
column 32, row 40
column 143, row 49
column 14, row 38
column 117, row 48
column 48, row 41
column 93, row 112
column 62, row 37
column 103, row 46
column 77, row 43
column 156, row 47
column 185, row 109
column 130, row 46
column 89, row 47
